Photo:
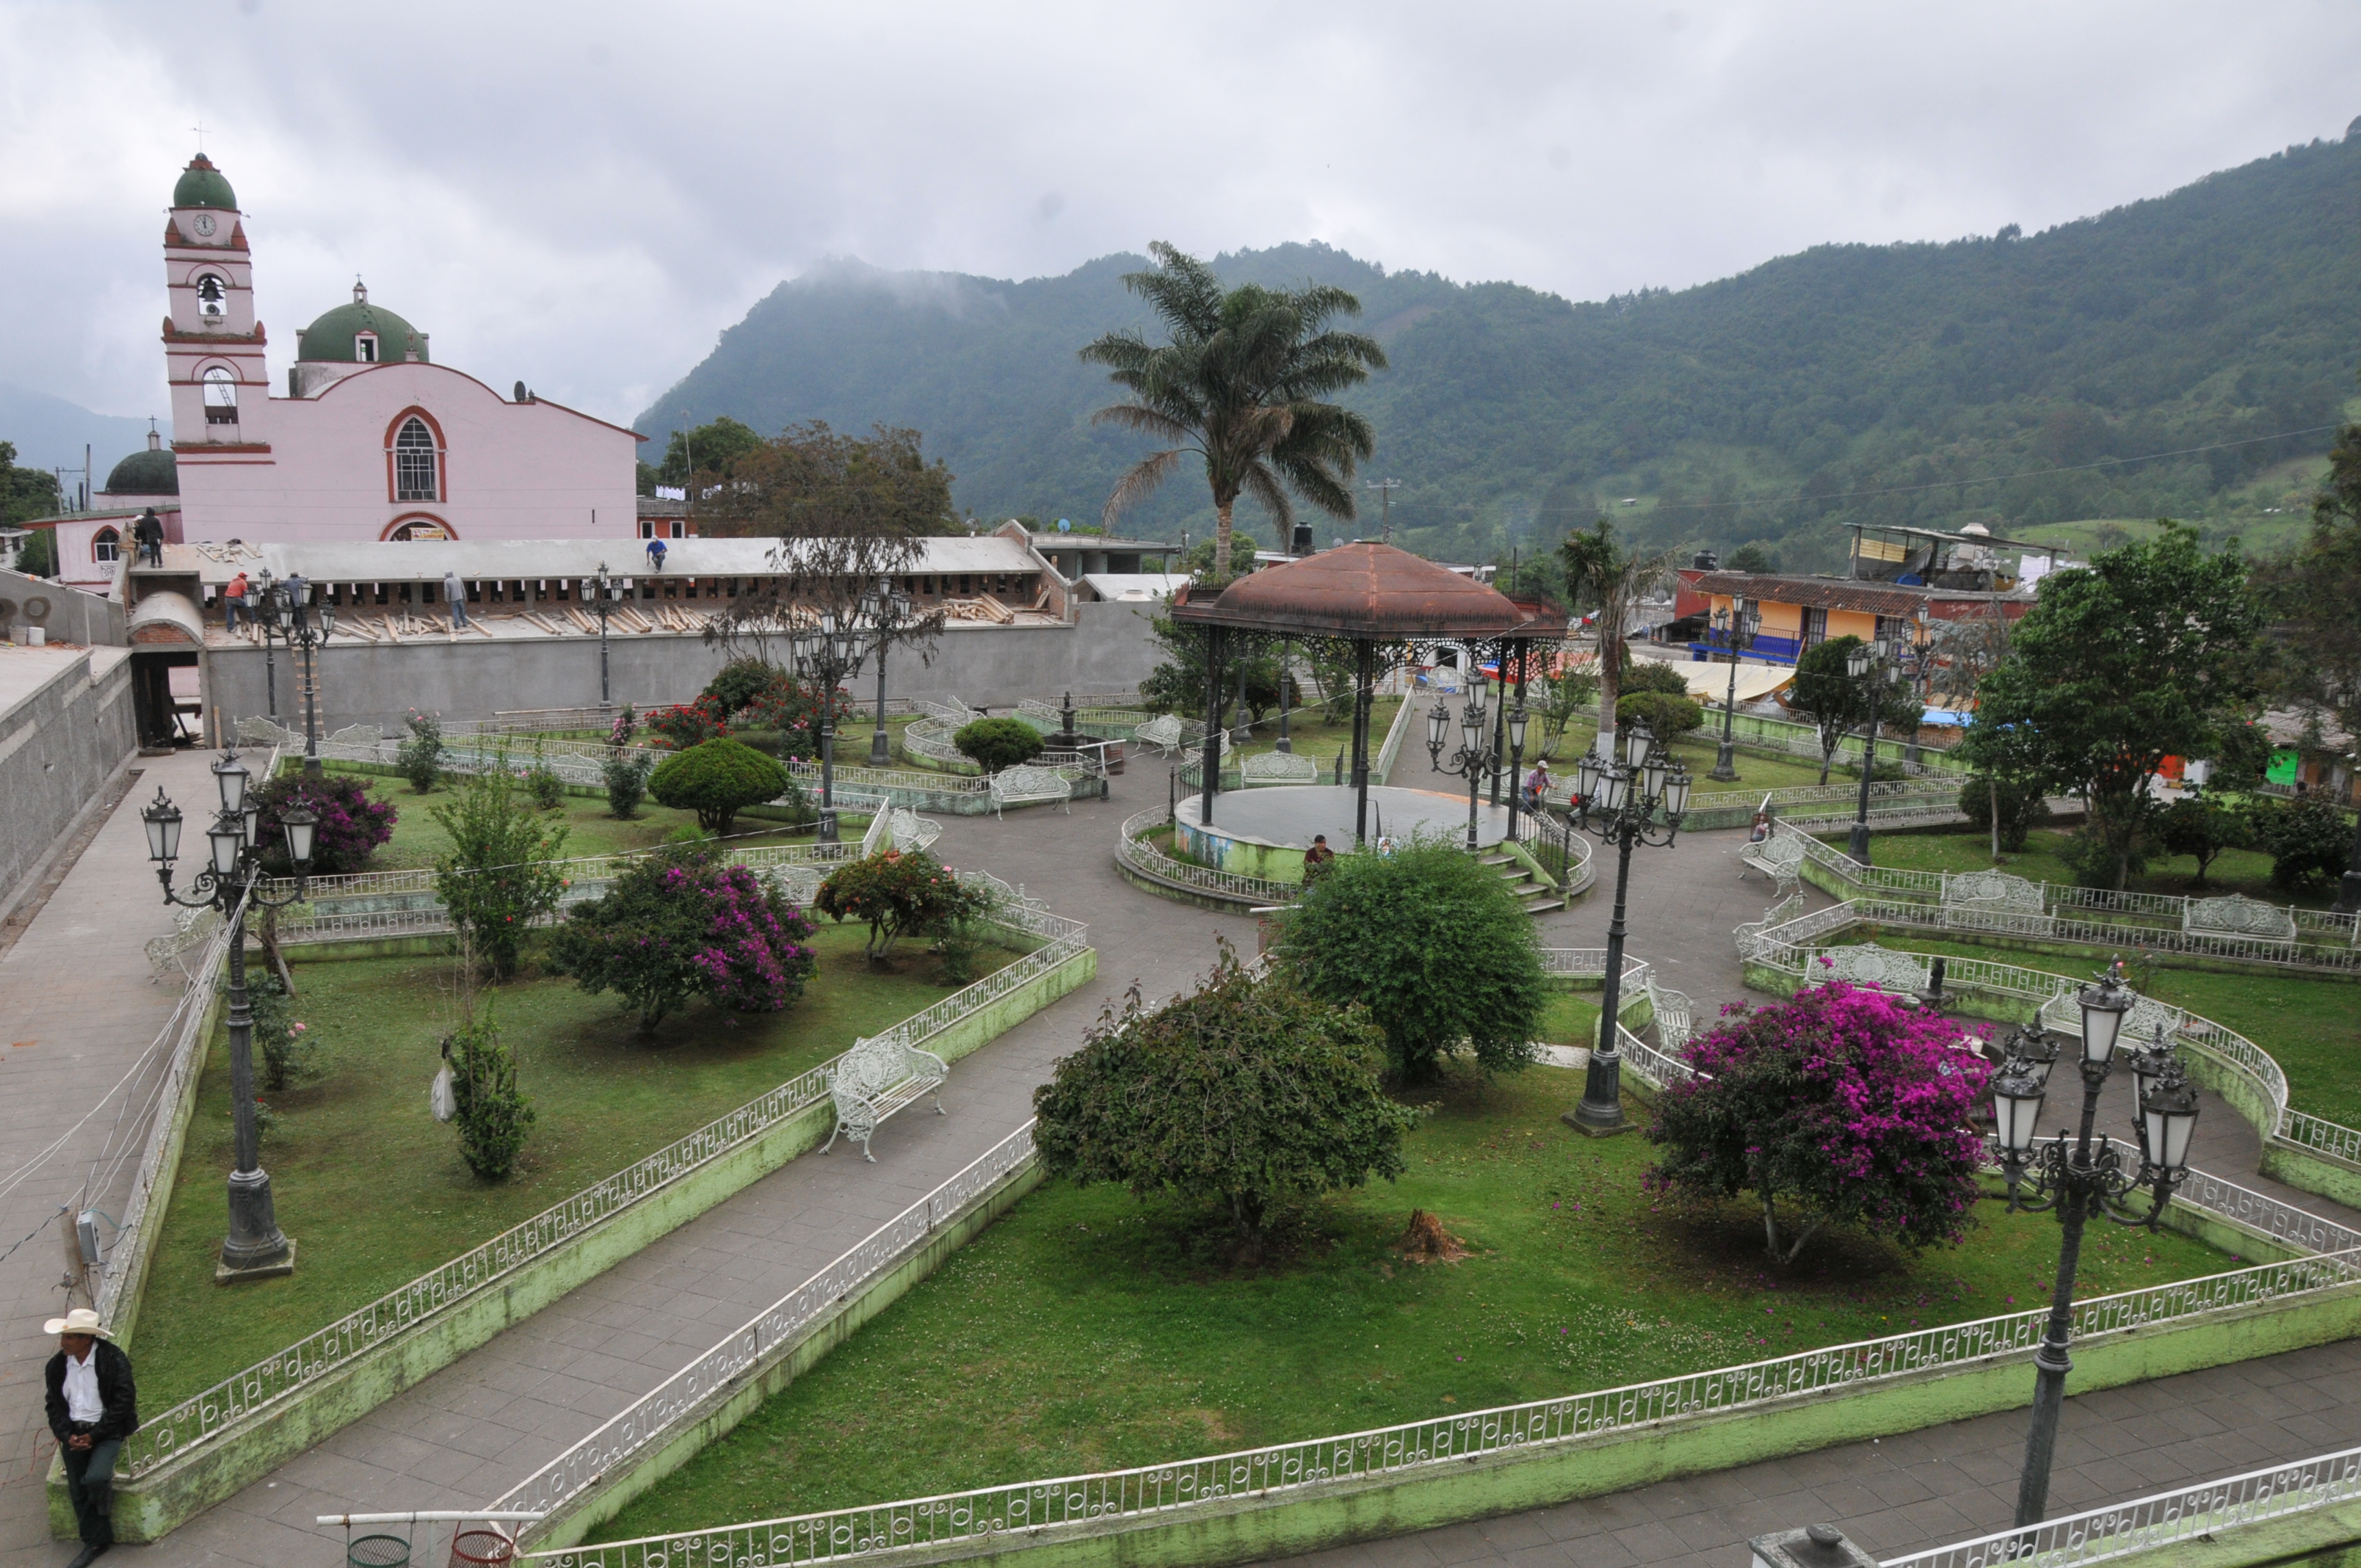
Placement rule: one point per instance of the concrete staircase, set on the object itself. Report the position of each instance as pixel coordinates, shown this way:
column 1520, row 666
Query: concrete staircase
column 1537, row 896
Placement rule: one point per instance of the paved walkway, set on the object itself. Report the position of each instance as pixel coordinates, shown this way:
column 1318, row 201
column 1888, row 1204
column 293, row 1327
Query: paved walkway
column 468, row 1433
column 77, row 1012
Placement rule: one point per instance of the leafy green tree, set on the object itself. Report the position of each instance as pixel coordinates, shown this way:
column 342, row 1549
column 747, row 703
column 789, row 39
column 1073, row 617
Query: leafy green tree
column 1753, row 559
column 2317, row 594
column 899, row 893
column 1826, row 694
column 710, row 450
column 25, row 492
column 1433, row 945
column 1557, row 698
column 493, row 1116
column 717, row 779
column 1648, row 676
column 2310, row 840
column 812, row 482
column 994, row 744
column 1665, row 716
column 419, row 758
column 2202, row 827
column 501, row 873
column 740, row 682
column 1607, row 580
column 626, row 774
column 682, row 924
column 1241, row 383
column 2021, row 807
column 2148, row 653
column 1248, row 1094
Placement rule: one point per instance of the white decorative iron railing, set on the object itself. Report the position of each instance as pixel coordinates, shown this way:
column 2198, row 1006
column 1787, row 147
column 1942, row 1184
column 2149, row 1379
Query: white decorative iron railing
column 2192, row 1514
column 262, row 1386
column 687, row 1394
column 1136, row 852
column 980, row 1514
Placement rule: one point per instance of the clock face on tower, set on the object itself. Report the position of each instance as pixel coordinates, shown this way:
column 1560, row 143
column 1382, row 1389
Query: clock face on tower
column 205, row 224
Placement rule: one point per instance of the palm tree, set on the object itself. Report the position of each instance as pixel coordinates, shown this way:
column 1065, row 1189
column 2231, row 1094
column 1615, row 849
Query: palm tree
column 1602, row 574
column 1240, row 383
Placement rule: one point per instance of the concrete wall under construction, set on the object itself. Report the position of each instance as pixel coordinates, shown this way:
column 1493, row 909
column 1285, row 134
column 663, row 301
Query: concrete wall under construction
column 1107, row 648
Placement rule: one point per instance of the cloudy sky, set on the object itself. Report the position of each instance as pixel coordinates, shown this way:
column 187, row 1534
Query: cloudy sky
column 581, row 195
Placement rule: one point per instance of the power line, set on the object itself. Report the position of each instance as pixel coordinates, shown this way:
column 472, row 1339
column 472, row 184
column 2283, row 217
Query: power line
column 1939, row 484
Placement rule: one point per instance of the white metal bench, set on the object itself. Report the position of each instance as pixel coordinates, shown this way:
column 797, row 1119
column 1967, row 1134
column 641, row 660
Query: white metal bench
column 2235, row 914
column 954, row 713
column 1867, row 964
column 1279, row 768
column 1028, row 786
column 876, row 1077
column 1779, row 913
column 1779, row 857
column 1674, row 1017
column 2063, row 1013
column 1164, row 733
column 1996, row 901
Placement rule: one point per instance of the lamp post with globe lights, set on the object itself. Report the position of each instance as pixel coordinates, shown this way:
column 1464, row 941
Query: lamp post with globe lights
column 829, row 651
column 1872, row 663
column 1737, row 627
column 603, row 592
column 304, row 627
column 886, row 608
column 1479, row 754
column 2072, row 1178
column 230, row 883
column 1640, row 800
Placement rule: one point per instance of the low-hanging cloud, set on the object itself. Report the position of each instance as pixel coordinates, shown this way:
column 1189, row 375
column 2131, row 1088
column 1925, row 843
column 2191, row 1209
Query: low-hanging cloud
column 582, row 196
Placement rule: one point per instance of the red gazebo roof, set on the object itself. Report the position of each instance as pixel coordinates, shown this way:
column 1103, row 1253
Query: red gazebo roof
column 1366, row 590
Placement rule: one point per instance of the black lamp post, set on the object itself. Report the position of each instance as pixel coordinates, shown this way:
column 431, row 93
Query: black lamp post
column 603, row 603
column 289, row 606
column 887, row 611
column 1479, row 754
column 1639, row 801
column 255, row 1249
column 1868, row 661
column 1737, row 627
column 828, row 653
column 262, row 592
column 2073, row 1178
column 2348, row 886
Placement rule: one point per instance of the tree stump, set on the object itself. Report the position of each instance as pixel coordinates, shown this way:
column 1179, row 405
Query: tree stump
column 1427, row 1242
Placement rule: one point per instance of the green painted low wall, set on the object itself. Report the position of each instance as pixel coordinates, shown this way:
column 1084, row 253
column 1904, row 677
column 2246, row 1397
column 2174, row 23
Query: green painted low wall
column 574, row 1523
column 2324, row 1537
column 148, row 1507
column 1266, row 1525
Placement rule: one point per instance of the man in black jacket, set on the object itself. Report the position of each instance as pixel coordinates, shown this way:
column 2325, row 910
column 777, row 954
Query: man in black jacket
column 93, row 1406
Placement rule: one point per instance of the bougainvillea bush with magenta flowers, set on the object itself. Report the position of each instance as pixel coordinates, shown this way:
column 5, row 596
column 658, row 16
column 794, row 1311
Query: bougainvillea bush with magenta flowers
column 684, row 924
column 353, row 823
column 1840, row 1106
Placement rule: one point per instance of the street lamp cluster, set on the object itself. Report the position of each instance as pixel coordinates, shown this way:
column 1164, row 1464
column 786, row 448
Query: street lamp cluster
column 287, row 614
column 1640, row 800
column 2071, row 1177
column 1479, row 755
column 1874, row 663
column 228, row 883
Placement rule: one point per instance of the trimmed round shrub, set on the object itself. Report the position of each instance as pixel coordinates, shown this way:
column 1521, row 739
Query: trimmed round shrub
column 996, row 743
column 1665, row 715
column 717, row 779
column 740, row 681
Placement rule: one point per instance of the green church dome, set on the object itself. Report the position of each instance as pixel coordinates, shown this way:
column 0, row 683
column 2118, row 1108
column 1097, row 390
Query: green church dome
column 144, row 474
column 335, row 336
column 201, row 185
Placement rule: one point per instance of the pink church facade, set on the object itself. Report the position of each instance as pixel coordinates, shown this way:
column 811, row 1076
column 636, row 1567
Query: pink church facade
column 368, row 440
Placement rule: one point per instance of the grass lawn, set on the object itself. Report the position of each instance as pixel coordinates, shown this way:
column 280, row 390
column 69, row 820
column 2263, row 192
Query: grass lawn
column 1699, row 749
column 1572, row 1018
column 2311, row 1026
column 1310, row 735
column 419, row 840
column 372, row 1187
column 1086, row 1330
column 2042, row 859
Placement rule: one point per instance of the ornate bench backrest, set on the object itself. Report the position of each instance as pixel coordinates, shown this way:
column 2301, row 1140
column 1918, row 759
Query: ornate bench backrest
column 1993, row 890
column 1780, row 849
column 1164, row 731
column 871, row 1067
column 1024, row 781
column 1871, row 965
column 2063, row 1014
column 2235, row 914
column 1279, row 767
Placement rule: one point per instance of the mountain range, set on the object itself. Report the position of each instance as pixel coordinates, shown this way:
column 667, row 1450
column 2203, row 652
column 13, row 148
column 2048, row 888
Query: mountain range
column 2004, row 379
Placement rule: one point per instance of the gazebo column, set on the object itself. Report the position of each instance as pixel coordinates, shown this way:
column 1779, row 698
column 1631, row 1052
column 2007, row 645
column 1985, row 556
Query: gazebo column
column 1212, row 764
column 1363, row 677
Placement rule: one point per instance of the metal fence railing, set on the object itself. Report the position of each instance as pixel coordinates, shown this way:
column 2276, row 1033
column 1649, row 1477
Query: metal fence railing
column 2190, row 1515
column 1134, row 849
column 1142, row 1494
column 689, row 1394
column 258, row 1389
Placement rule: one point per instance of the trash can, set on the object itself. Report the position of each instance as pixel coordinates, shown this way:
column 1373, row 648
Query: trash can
column 473, row 1547
column 377, row 1551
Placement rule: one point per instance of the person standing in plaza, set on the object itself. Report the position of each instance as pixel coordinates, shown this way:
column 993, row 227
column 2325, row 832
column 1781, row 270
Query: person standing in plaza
column 456, row 592
column 93, row 1406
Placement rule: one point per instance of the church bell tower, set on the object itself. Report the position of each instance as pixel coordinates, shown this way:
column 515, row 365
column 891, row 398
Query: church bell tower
column 213, row 344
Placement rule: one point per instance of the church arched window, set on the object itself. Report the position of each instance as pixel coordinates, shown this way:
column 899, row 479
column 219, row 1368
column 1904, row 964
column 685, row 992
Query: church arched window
column 106, row 546
column 221, row 395
column 212, row 296
column 414, row 466
column 365, row 347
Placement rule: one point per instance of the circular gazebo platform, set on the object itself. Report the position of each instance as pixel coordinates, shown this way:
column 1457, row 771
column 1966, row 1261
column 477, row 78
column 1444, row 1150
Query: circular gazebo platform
column 1264, row 831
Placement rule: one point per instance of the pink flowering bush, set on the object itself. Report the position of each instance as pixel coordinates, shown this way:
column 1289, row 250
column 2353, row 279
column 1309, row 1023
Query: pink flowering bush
column 682, row 925
column 1842, row 1106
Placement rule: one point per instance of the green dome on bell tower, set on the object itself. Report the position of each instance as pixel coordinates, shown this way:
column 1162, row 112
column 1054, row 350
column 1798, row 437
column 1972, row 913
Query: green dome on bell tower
column 203, row 185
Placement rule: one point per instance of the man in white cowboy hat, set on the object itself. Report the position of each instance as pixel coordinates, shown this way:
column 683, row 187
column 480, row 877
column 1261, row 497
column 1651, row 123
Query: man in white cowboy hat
column 93, row 1408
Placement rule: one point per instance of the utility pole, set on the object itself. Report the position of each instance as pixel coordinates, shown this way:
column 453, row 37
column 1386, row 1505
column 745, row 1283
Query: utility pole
column 1385, row 488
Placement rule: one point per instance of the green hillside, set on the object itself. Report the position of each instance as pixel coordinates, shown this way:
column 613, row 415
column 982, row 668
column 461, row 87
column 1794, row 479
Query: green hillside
column 1754, row 409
